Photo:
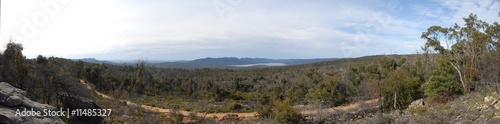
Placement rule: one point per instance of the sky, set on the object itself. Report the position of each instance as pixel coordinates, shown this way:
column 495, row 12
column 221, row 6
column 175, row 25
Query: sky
column 188, row 29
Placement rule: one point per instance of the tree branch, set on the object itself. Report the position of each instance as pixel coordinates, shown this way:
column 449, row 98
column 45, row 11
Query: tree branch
column 464, row 86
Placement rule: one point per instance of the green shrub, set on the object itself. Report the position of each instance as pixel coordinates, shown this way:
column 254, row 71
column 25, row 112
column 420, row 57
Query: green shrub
column 281, row 111
column 419, row 110
column 235, row 106
column 284, row 113
column 386, row 119
column 442, row 86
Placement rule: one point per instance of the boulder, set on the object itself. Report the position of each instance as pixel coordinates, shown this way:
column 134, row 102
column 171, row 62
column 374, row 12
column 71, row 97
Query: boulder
column 7, row 116
column 13, row 99
column 489, row 99
column 43, row 121
column 417, row 103
column 36, row 121
column 36, row 106
column 12, row 95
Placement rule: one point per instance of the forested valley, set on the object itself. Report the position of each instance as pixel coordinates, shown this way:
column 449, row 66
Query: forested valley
column 455, row 61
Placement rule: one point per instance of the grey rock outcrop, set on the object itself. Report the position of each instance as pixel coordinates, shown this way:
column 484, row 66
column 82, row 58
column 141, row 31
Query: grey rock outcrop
column 417, row 103
column 14, row 100
column 10, row 96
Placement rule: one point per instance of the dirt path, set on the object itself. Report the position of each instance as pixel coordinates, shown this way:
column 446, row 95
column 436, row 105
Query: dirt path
column 309, row 110
column 162, row 110
column 304, row 109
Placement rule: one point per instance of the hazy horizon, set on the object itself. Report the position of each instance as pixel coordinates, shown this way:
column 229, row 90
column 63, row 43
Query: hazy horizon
column 183, row 30
column 164, row 60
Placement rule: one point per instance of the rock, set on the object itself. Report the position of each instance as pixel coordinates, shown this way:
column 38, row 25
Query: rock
column 417, row 103
column 76, row 102
column 10, row 95
column 489, row 99
column 492, row 121
column 50, row 120
column 43, row 121
column 7, row 116
column 36, row 121
column 497, row 106
column 13, row 99
column 396, row 112
column 36, row 106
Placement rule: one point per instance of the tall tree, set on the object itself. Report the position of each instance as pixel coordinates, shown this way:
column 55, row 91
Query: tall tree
column 466, row 47
column 14, row 67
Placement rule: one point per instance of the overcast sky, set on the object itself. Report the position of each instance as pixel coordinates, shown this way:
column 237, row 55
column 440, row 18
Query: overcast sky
column 188, row 29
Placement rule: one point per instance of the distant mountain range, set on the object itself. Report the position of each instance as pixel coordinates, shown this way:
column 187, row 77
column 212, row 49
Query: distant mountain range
column 93, row 60
column 233, row 62
column 224, row 62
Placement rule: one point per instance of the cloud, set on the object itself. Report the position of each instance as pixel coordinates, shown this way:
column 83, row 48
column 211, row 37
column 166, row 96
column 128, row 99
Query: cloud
column 170, row 30
column 452, row 11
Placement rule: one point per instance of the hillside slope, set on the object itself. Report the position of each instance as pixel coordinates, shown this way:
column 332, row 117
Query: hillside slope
column 475, row 108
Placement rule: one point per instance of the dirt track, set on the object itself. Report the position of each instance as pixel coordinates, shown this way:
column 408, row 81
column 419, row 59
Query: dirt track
column 240, row 115
column 354, row 106
column 162, row 110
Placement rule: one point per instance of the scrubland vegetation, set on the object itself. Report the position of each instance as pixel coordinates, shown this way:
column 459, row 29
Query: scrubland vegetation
column 469, row 63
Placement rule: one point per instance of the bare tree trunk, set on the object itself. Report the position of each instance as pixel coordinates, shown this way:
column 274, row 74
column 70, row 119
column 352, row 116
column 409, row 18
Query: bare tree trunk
column 395, row 97
column 319, row 110
column 464, row 86
column 380, row 101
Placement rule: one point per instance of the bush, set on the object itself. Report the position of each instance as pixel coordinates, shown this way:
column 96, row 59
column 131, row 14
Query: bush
column 419, row 110
column 400, row 87
column 281, row 111
column 442, row 85
column 287, row 115
column 235, row 106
